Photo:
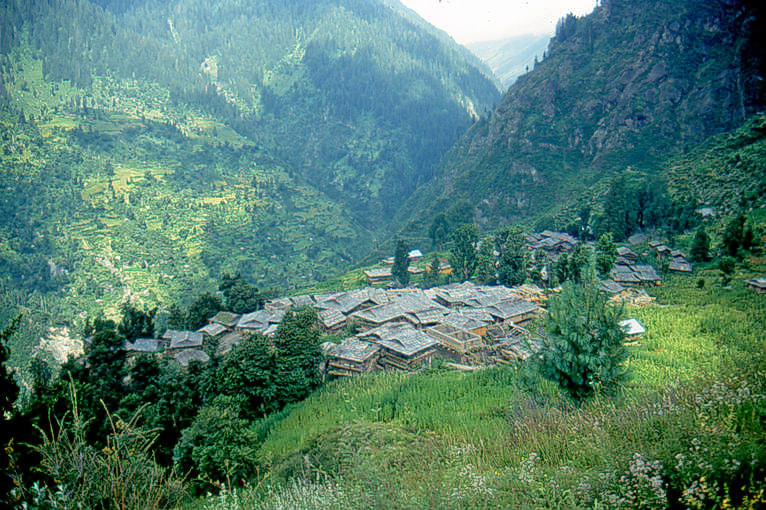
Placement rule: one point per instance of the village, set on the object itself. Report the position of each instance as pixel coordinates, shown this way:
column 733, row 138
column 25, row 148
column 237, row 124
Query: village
column 383, row 327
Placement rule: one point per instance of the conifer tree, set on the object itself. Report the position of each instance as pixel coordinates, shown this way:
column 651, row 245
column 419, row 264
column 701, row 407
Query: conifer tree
column 700, row 246
column 463, row 251
column 514, row 258
column 401, row 266
column 584, row 349
column 606, row 253
column 486, row 271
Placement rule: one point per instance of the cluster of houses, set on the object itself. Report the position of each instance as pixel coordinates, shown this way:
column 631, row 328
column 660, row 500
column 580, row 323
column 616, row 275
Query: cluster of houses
column 404, row 328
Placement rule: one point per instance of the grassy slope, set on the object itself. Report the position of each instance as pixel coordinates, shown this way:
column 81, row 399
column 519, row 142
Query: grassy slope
column 505, row 437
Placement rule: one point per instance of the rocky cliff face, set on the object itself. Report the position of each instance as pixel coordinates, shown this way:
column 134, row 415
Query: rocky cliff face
column 628, row 85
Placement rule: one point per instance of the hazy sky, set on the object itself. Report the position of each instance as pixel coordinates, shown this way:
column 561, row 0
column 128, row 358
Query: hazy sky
column 485, row 20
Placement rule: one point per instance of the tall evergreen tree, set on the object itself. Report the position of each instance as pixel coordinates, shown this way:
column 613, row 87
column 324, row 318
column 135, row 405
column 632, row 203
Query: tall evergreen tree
column 606, row 253
column 486, row 271
column 401, row 266
column 700, row 246
column 514, row 258
column 731, row 241
column 463, row 251
column 584, row 349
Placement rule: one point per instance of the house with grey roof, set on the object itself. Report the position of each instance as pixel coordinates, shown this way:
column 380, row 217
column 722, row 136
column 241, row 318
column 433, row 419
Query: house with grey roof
column 263, row 321
column 145, row 345
column 186, row 356
column 516, row 310
column 226, row 319
column 352, row 356
column 402, row 346
column 184, row 339
column 757, row 284
column 212, row 330
column 331, row 320
column 610, row 286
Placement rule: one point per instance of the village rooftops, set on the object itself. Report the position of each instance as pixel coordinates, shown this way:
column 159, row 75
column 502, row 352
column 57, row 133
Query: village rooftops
column 227, row 319
column 184, row 339
column 302, row 300
column 188, row 355
column 680, row 266
column 381, row 272
column 464, row 321
column 512, row 309
column 412, row 303
column 354, row 349
column 149, row 345
column 212, row 329
column 415, row 255
column 632, row 328
column 401, row 338
column 349, row 302
column 627, row 253
column 757, row 284
column 331, row 319
column 260, row 320
column 646, row 273
column 611, row 286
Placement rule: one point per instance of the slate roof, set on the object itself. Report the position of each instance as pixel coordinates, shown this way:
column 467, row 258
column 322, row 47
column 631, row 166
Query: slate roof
column 680, row 266
column 331, row 318
column 624, row 276
column 354, row 349
column 212, row 329
column 401, row 305
column 383, row 272
column 401, row 338
column 187, row 356
column 347, row 302
column 464, row 321
column 303, row 300
column 145, row 345
column 646, row 273
column 184, row 339
column 261, row 319
column 227, row 319
column 611, row 286
column 627, row 253
column 637, row 239
column 759, row 282
column 631, row 327
column 505, row 310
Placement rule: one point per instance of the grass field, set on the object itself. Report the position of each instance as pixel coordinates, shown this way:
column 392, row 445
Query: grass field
column 686, row 427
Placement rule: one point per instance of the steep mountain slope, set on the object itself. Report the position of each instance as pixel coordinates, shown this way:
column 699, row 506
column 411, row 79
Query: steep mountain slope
column 147, row 146
column 512, row 57
column 629, row 85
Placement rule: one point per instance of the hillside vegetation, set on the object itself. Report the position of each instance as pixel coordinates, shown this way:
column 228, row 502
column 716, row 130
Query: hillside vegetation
column 629, row 85
column 682, row 428
column 148, row 147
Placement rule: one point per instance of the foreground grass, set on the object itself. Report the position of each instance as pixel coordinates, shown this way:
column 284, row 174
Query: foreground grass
column 686, row 427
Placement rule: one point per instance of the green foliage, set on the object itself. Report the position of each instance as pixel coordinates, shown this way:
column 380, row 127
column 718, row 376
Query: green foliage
column 122, row 473
column 575, row 266
column 218, row 445
column 486, row 272
column 431, row 276
column 136, row 323
column 462, row 253
column 8, row 393
column 700, row 250
column 514, row 257
column 401, row 263
column 606, row 253
column 584, row 351
column 240, row 296
column 439, row 230
column 205, row 306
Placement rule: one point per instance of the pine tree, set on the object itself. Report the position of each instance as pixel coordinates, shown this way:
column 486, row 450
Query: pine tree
column 514, row 258
column 584, row 349
column 463, row 251
column 401, row 266
column 606, row 253
column 700, row 246
column 486, row 271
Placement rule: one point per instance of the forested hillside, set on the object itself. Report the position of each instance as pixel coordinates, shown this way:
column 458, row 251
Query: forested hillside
column 630, row 85
column 148, row 147
column 512, row 57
